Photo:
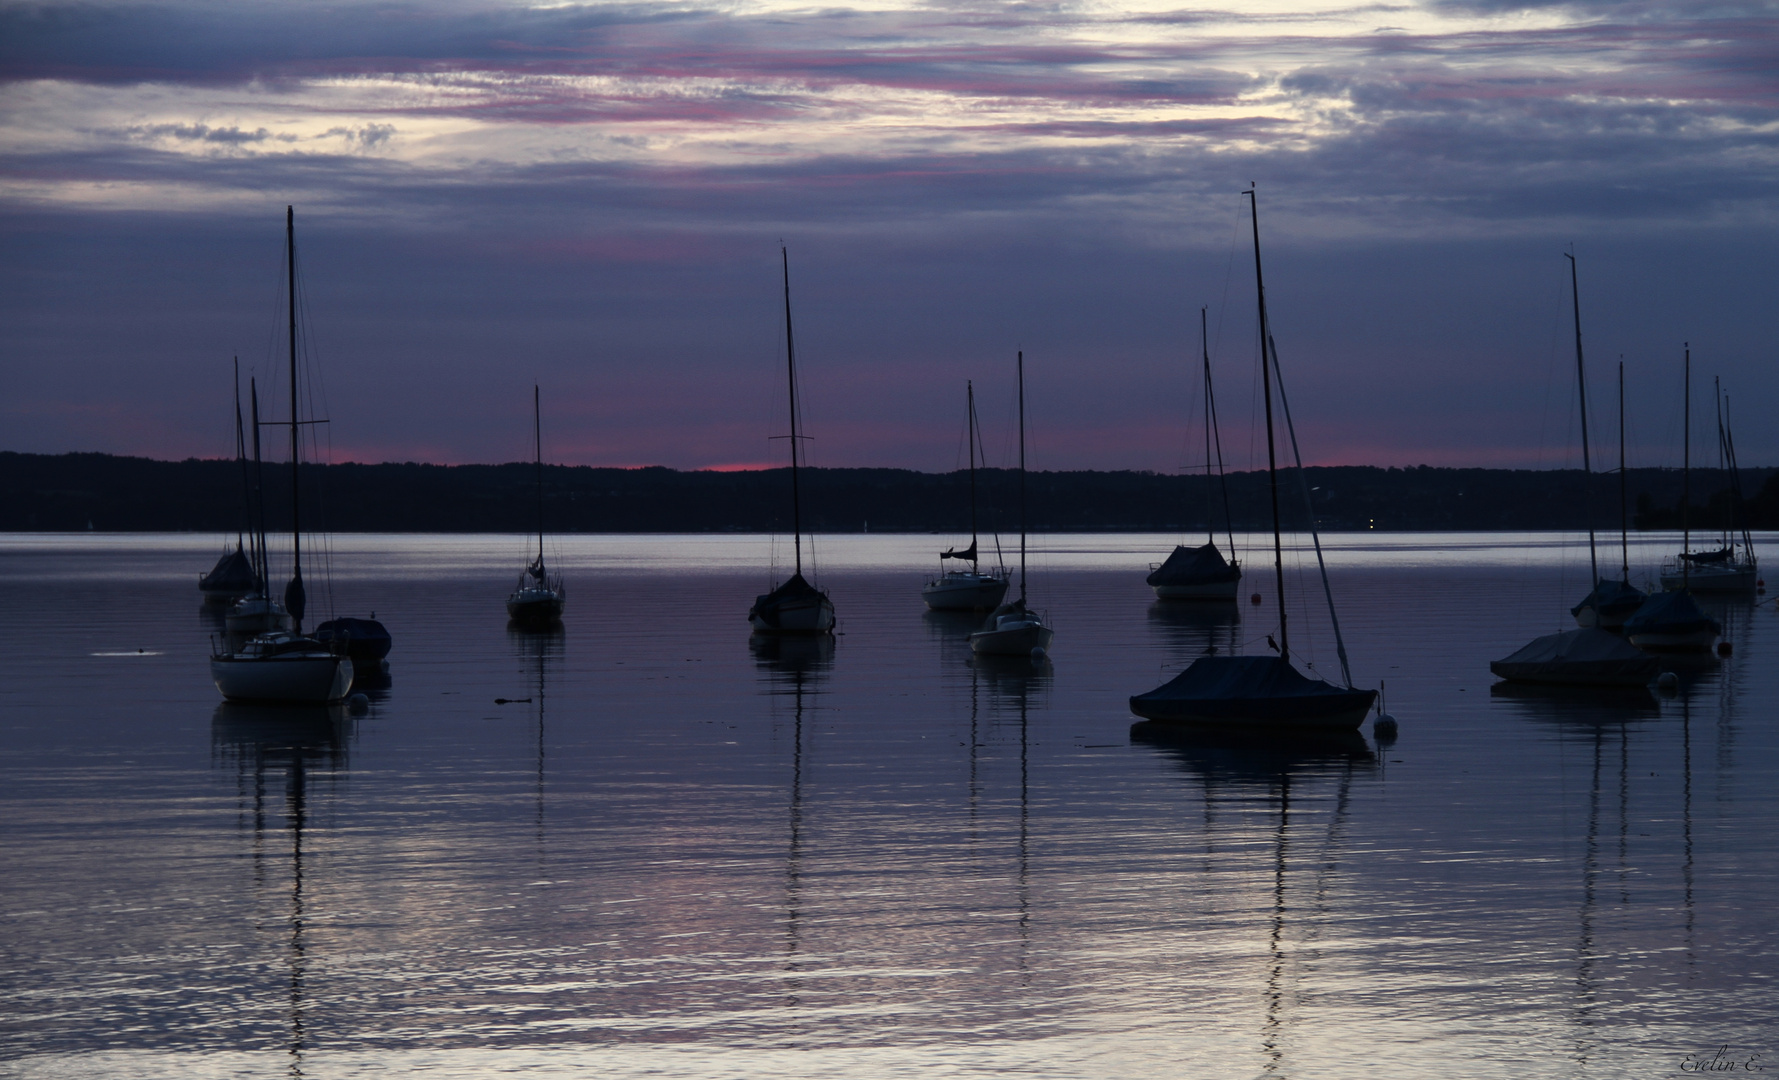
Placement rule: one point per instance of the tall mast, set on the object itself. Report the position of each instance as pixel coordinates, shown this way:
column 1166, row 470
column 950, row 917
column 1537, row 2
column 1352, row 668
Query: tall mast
column 241, row 456
column 1204, row 346
column 1624, row 514
column 1272, row 466
column 1581, row 380
column 259, row 499
column 1686, row 465
column 1722, row 458
column 293, row 593
column 970, row 435
column 537, row 434
column 1022, row 522
column 790, row 350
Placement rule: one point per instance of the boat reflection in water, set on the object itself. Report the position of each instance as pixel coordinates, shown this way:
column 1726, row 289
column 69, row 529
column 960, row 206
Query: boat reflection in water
column 794, row 667
column 1254, row 785
column 539, row 649
column 307, row 746
column 1193, row 630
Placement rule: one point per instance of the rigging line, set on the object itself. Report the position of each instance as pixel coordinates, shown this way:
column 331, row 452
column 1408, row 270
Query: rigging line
column 1340, row 645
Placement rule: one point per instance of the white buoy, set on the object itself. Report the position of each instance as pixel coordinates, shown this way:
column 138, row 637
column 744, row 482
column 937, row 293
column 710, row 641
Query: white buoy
column 1038, row 654
column 1384, row 726
column 1668, row 681
column 358, row 703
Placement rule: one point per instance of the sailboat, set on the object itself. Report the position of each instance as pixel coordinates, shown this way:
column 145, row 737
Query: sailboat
column 283, row 665
column 796, row 606
column 1264, row 692
column 257, row 612
column 1671, row 621
column 1201, row 573
column 1726, row 569
column 1015, row 629
column 234, row 575
column 1590, row 656
column 537, row 600
column 967, row 590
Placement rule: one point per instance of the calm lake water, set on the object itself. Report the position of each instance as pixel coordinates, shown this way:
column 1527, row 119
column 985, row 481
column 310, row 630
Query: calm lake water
column 677, row 852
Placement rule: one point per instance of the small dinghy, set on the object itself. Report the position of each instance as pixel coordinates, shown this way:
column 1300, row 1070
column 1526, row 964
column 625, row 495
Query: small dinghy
column 1672, row 622
column 1253, row 692
column 1587, row 657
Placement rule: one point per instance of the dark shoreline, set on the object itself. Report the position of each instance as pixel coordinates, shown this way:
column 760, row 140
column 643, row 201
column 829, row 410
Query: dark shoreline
column 102, row 492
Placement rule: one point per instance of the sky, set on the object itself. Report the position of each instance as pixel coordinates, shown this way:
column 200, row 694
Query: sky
column 592, row 198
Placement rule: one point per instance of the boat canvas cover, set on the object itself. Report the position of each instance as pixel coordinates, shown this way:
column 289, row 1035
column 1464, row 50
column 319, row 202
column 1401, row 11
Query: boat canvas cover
column 1265, row 688
column 1669, row 613
column 1194, row 566
column 359, row 637
column 232, row 573
column 793, row 590
column 1612, row 598
column 1581, row 656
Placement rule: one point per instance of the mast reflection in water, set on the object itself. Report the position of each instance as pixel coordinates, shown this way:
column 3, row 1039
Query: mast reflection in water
column 305, row 746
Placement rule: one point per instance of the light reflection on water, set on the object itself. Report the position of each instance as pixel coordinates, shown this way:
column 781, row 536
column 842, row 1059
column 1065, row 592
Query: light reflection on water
column 679, row 849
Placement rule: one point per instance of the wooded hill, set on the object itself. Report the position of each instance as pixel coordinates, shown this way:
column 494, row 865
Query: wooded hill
column 100, row 491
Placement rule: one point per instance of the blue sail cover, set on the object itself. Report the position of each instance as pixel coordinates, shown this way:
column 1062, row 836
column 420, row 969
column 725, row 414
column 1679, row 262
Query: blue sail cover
column 1262, row 691
column 361, row 638
column 1194, row 566
column 1579, row 658
column 1613, row 599
column 1670, row 613
column 232, row 573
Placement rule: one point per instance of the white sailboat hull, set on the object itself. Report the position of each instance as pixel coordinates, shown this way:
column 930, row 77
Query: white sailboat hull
column 303, row 678
column 965, row 592
column 1711, row 579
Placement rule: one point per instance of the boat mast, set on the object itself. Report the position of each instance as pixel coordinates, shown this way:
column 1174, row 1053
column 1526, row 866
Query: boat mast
column 1624, row 514
column 1581, row 380
column 790, row 350
column 1686, row 464
column 1272, row 466
column 1217, row 436
column 241, row 456
column 259, row 498
column 293, row 593
column 537, row 434
column 1722, row 458
column 1022, row 522
column 970, row 436
column 1204, row 347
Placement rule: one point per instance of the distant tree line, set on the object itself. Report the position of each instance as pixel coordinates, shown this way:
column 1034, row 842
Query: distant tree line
column 100, row 491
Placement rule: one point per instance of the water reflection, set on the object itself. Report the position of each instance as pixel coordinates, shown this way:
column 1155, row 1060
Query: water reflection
column 538, row 649
column 307, row 744
column 792, row 663
column 1192, row 630
column 1247, row 774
